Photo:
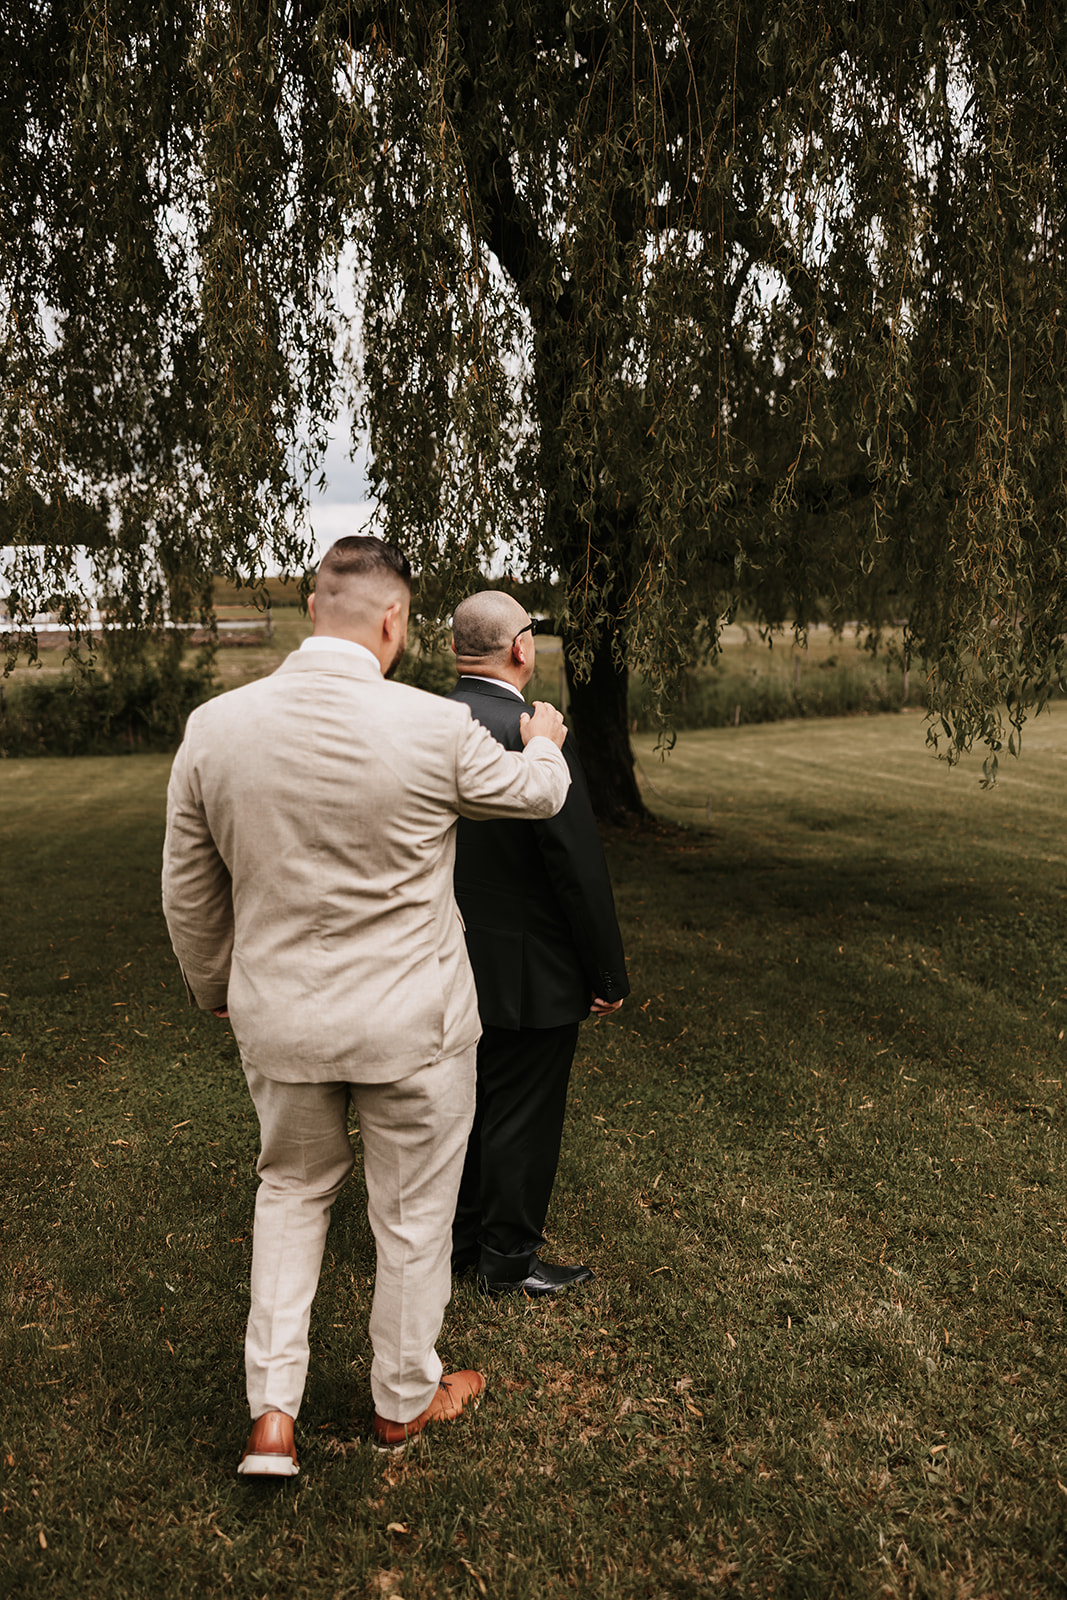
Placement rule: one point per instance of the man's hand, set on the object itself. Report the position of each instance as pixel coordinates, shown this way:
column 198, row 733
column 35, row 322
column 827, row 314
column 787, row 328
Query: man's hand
column 546, row 723
column 603, row 1008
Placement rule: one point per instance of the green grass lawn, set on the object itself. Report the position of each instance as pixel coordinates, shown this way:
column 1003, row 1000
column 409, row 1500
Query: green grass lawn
column 817, row 1161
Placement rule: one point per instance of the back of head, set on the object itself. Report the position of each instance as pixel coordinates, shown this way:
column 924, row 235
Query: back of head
column 359, row 577
column 484, row 625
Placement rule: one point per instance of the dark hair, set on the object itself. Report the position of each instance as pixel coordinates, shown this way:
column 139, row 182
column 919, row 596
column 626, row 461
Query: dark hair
column 360, row 555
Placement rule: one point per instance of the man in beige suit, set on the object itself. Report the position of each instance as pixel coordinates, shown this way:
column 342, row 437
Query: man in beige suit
column 307, row 886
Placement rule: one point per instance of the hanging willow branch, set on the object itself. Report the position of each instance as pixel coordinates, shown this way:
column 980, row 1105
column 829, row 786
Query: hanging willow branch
column 686, row 307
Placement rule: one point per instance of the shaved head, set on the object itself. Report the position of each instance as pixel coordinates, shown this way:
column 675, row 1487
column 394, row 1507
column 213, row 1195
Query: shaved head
column 492, row 637
column 485, row 624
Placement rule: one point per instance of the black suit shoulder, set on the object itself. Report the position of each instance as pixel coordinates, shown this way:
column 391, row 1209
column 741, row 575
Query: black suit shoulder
column 495, row 708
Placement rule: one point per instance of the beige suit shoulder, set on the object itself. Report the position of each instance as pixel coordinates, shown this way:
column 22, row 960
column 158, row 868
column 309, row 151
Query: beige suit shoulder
column 222, row 706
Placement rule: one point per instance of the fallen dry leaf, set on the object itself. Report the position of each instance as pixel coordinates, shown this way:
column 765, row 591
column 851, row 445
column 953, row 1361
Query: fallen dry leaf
column 481, row 1586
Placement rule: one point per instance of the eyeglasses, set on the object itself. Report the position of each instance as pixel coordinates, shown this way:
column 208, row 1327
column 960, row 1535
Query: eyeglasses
column 531, row 628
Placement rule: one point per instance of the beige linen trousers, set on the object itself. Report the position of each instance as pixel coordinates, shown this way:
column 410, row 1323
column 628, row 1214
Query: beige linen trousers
column 307, row 884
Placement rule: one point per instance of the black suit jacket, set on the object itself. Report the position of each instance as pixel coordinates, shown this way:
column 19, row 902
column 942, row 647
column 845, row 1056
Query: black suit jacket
column 536, row 898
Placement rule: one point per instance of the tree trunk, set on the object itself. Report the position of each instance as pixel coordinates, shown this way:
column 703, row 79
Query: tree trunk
column 601, row 730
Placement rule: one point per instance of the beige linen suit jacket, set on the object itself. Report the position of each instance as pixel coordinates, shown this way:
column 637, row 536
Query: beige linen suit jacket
column 307, row 869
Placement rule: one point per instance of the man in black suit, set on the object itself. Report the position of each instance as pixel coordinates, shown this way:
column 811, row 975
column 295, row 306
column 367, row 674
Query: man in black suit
column 546, row 951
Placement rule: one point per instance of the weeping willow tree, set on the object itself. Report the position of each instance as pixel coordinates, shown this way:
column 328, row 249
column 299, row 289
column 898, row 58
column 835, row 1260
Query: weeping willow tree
column 680, row 308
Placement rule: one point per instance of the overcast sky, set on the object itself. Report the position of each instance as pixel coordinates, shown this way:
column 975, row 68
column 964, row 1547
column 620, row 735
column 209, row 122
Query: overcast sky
column 347, row 479
column 344, row 506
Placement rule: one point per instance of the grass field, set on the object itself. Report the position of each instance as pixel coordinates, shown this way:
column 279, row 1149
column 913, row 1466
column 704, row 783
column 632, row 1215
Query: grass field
column 817, row 1162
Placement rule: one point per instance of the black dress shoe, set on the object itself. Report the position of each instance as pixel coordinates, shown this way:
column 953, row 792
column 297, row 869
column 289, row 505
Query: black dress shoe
column 541, row 1277
column 464, row 1261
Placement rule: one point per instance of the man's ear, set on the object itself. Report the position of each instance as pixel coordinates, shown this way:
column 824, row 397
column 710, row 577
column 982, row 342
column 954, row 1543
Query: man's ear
column 452, row 647
column 391, row 621
column 311, row 608
column 518, row 654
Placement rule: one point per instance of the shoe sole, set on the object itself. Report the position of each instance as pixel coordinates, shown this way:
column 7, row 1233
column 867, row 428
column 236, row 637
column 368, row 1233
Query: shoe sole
column 267, row 1467
column 498, row 1289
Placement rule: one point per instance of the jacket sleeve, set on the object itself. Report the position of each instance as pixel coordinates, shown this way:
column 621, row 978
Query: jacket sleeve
column 574, row 861
column 494, row 782
column 197, row 898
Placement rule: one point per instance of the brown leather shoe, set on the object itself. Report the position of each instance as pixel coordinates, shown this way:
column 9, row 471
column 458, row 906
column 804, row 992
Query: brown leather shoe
column 270, row 1451
column 452, row 1395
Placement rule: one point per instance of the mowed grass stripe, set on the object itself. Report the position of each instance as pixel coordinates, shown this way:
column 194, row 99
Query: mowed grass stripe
column 857, row 757
column 817, row 1162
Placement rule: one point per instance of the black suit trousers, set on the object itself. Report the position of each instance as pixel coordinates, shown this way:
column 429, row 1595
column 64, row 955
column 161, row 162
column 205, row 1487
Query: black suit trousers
column 514, row 1145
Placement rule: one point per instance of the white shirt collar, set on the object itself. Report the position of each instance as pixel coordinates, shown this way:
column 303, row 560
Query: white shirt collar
column 480, row 678
column 326, row 641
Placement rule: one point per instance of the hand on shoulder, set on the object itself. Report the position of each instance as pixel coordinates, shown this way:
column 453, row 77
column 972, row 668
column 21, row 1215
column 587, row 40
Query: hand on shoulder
column 545, row 722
